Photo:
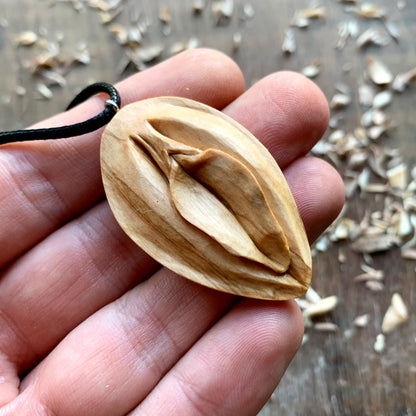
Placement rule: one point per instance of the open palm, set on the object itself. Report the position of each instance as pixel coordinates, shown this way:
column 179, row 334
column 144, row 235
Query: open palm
column 89, row 324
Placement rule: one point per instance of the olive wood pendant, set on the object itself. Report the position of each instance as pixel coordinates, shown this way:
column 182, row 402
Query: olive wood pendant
column 201, row 195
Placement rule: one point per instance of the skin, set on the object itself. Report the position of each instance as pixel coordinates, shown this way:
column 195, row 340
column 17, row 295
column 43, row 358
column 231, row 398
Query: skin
column 89, row 324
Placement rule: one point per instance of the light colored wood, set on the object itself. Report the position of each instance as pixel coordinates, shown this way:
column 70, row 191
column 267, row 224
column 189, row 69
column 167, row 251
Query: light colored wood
column 204, row 197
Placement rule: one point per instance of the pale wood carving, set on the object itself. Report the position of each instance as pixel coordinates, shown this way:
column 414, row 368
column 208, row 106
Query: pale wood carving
column 201, row 195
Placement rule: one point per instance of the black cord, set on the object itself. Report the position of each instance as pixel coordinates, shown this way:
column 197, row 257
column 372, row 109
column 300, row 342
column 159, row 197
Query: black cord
column 94, row 123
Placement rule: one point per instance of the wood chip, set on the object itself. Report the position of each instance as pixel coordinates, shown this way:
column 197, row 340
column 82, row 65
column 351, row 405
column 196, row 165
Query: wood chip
column 392, row 29
column 378, row 71
column 373, row 36
column 289, row 42
column 398, row 176
column 325, row 326
column 402, row 80
column 370, row 274
column 20, row 90
column 366, row 94
column 312, row 296
column 340, row 101
column 236, row 43
column 322, row 307
column 222, row 11
column 409, row 254
column 44, row 91
column 374, row 286
column 368, row 10
column 300, row 20
column 120, row 33
column 362, row 320
column 198, row 6
column 248, row 11
column 26, row 38
column 395, row 315
column 375, row 244
column 380, row 343
column 165, row 15
column 314, row 11
column 382, row 99
column 312, row 70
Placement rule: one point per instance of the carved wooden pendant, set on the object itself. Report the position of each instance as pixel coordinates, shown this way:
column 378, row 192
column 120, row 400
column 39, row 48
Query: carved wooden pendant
column 201, row 195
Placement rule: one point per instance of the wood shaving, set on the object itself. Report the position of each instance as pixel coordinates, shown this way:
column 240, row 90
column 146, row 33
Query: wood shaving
column 347, row 29
column 369, row 11
column 165, row 15
column 362, row 321
column 380, row 343
column 44, row 91
column 20, row 90
column 26, row 38
column 108, row 17
column 378, row 71
column 395, row 315
column 374, row 244
column 397, row 176
column 339, row 101
column 409, row 254
column 248, row 11
column 222, row 11
column 392, row 30
column 382, row 99
column 322, row 307
column 144, row 55
column 402, row 81
column 120, row 33
column 312, row 70
column 198, row 6
column 373, row 36
column 314, row 12
column 312, row 296
column 289, row 42
column 299, row 20
column 374, row 286
column 134, row 37
column 366, row 94
column 105, row 5
column 326, row 326
column 236, row 42
column 182, row 46
column 370, row 274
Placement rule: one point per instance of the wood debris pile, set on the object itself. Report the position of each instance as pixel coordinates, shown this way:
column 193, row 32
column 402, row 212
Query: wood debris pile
column 48, row 61
column 386, row 185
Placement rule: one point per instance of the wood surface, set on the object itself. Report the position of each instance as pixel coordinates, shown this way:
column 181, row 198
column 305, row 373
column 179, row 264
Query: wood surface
column 334, row 373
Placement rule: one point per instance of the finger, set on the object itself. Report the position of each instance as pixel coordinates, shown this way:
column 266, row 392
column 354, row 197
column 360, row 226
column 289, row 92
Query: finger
column 143, row 335
column 43, row 184
column 286, row 111
column 126, row 346
column 234, row 368
column 319, row 194
column 63, row 280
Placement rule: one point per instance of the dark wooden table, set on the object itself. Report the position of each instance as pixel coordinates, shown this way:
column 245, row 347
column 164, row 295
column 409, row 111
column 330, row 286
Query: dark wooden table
column 335, row 372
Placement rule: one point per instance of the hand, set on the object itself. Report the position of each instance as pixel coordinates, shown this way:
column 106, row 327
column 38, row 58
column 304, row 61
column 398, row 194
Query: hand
column 89, row 324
